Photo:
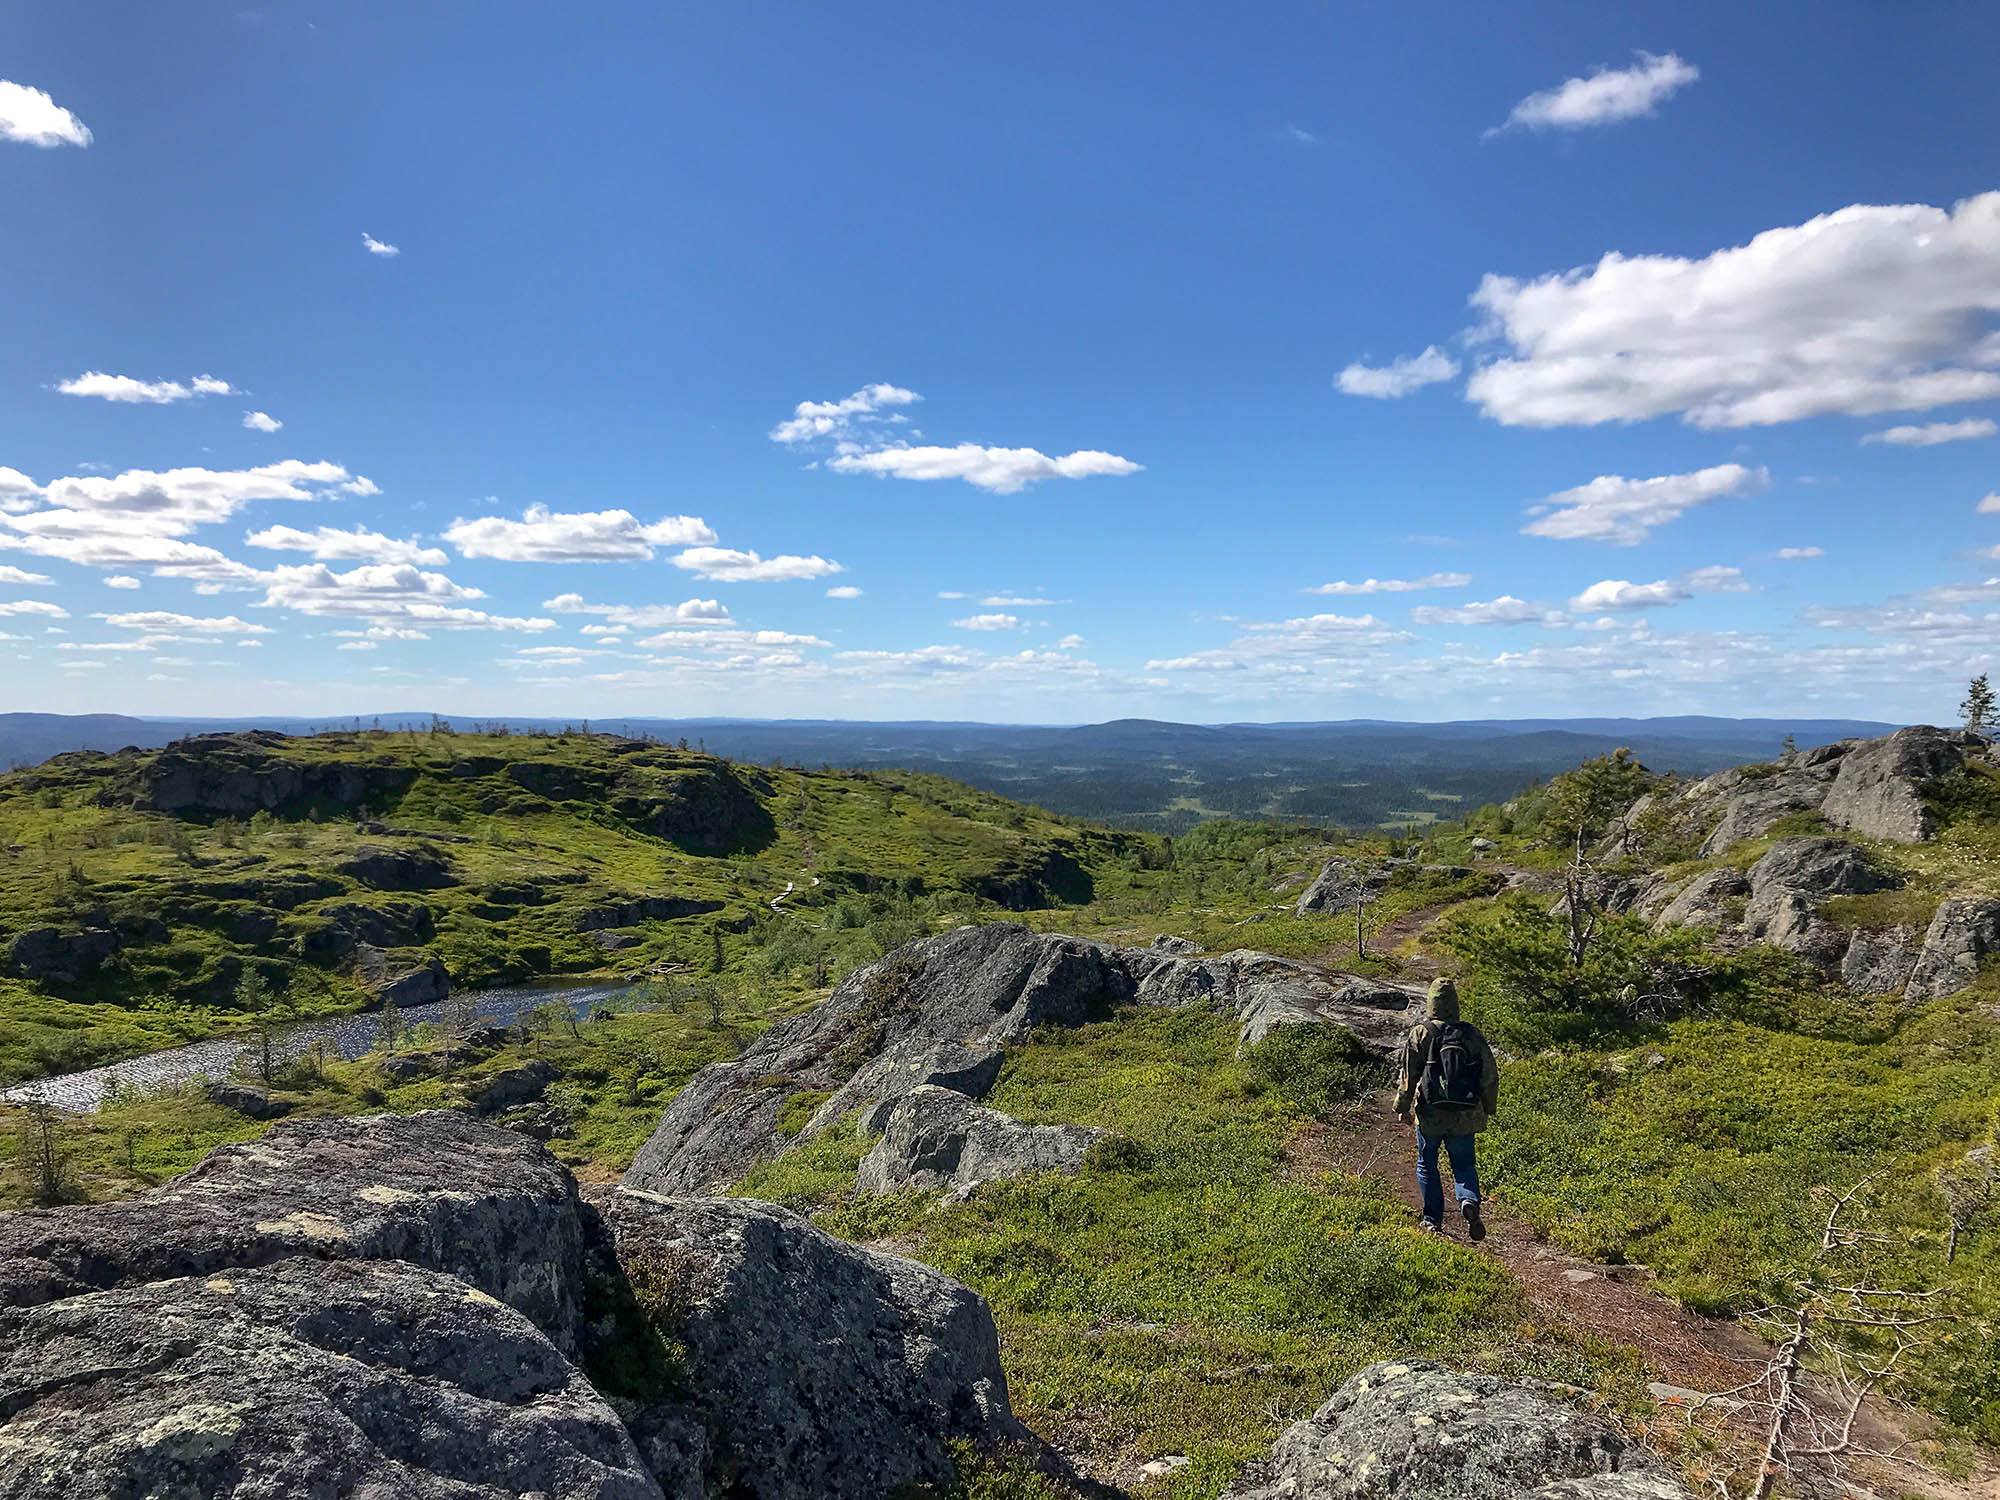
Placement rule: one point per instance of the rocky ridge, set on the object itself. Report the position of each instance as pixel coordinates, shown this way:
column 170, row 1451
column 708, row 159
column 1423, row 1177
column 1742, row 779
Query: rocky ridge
column 941, row 1011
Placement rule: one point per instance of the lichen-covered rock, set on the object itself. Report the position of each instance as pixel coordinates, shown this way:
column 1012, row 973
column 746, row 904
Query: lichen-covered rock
column 1712, row 899
column 816, row 1370
column 1962, row 936
column 1819, row 867
column 510, row 1088
column 937, row 1138
column 1412, row 1428
column 1342, row 882
column 304, row 1377
column 983, row 988
column 1879, row 788
column 969, row 1069
column 245, row 1099
column 1879, row 962
column 401, row 979
column 1751, row 804
column 438, row 1190
column 240, row 774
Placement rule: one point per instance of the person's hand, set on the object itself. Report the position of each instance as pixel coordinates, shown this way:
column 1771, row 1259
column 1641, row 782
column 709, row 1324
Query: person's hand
column 1403, row 1115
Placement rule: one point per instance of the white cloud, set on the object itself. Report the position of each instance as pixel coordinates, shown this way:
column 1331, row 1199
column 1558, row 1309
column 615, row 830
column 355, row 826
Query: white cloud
column 1394, row 585
column 1605, row 97
column 952, row 594
column 1716, row 580
column 1506, row 610
column 1990, row 506
column 843, row 591
column 822, row 419
column 1004, row 471
column 1619, row 593
column 1798, row 554
column 1344, row 648
column 690, row 612
column 34, row 607
column 1932, row 433
column 387, row 593
column 121, row 581
column 726, row 565
column 31, row 118
column 1070, row 643
column 543, row 535
column 359, row 544
column 126, row 389
column 1400, row 377
column 355, row 646
column 11, row 574
column 1621, row 511
column 1868, row 309
column 1014, row 601
column 167, row 622
column 377, row 247
column 987, row 622
column 261, row 421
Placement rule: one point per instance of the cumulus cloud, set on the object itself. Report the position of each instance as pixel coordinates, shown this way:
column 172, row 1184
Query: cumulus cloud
column 1989, row 506
column 1017, row 601
column 1506, row 610
column 377, row 247
column 1932, row 433
column 33, row 607
column 387, row 593
column 261, row 421
column 1394, row 585
column 1867, row 309
column 1620, row 593
column 543, row 535
column 31, row 118
column 843, row 591
column 1605, row 97
column 1070, row 643
column 11, row 574
column 1612, row 508
column 121, row 581
column 1274, row 650
column 827, row 419
column 727, row 565
column 140, row 518
column 1399, row 377
column 168, row 622
column 1798, row 554
column 690, row 612
column 125, row 388
column 358, row 544
column 987, row 622
column 1004, row 471
column 1716, row 580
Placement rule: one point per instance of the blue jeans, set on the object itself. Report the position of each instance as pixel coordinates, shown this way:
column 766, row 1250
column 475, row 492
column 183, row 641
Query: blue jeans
column 1463, row 1150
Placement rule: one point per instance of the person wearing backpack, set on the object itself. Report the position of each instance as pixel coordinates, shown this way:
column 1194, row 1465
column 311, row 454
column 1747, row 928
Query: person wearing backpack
column 1447, row 1081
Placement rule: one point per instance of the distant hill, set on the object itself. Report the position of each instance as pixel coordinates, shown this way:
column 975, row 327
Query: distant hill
column 1139, row 773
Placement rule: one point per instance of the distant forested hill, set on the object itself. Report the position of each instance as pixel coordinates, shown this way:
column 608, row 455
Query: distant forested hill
column 1137, row 773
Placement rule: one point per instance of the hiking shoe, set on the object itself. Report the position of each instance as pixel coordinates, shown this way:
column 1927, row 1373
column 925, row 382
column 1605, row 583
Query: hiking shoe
column 1429, row 1226
column 1475, row 1227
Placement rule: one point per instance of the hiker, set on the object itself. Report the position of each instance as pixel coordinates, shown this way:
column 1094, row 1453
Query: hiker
column 1447, row 1080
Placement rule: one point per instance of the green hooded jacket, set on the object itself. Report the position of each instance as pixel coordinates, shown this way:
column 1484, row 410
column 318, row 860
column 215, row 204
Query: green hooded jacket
column 1445, row 1119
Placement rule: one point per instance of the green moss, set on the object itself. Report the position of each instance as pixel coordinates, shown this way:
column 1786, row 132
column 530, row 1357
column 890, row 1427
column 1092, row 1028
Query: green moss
column 820, row 1172
column 798, row 1110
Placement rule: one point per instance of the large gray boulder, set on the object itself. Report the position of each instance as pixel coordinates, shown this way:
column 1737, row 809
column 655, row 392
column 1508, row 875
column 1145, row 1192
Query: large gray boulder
column 938, row 1138
column 303, row 1377
column 1412, row 1428
column 1714, row 898
column 438, row 1190
column 1753, row 799
column 941, row 1010
column 1879, row 789
column 1879, row 962
column 1962, row 936
column 814, row 1368
column 1787, row 886
column 1344, row 881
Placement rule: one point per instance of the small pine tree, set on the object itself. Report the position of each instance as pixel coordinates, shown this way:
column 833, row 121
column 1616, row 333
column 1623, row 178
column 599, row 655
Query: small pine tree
column 44, row 1159
column 1978, row 707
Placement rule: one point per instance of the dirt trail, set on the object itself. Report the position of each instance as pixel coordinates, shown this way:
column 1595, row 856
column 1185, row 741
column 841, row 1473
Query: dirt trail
column 1616, row 1303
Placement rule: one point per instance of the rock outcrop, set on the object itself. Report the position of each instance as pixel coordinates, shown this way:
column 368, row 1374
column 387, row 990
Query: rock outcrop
column 1871, row 787
column 401, row 979
column 422, row 1305
column 1962, row 936
column 1787, row 887
column 420, row 868
column 55, row 956
column 1414, row 1428
column 1343, row 882
column 1714, row 898
column 880, row 1033
column 235, row 775
column 938, row 1138
column 811, row 1367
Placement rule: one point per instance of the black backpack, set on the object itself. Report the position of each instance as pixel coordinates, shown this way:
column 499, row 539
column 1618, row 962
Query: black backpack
column 1452, row 1069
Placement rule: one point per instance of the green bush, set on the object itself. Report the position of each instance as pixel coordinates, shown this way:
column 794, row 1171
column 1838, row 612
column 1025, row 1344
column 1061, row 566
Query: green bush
column 1316, row 1068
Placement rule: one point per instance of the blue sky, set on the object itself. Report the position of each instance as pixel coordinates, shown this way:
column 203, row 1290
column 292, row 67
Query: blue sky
column 1015, row 363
